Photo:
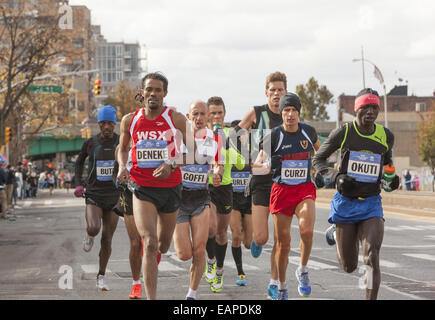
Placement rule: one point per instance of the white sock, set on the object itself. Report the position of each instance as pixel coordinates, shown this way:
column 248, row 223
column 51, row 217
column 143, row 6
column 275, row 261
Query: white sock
column 282, row 285
column 302, row 269
column 191, row 293
column 274, row 282
column 211, row 261
column 137, row 282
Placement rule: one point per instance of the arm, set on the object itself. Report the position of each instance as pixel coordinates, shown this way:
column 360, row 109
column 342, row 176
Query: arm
column 121, row 154
column 78, row 169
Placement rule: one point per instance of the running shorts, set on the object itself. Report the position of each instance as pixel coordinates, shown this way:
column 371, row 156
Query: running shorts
column 260, row 190
column 125, row 203
column 192, row 204
column 242, row 203
column 104, row 203
column 166, row 200
column 346, row 210
column 285, row 198
column 222, row 198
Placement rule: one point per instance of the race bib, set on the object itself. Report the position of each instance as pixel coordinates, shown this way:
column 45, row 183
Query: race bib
column 105, row 170
column 151, row 153
column 240, row 180
column 195, row 176
column 294, row 172
column 364, row 167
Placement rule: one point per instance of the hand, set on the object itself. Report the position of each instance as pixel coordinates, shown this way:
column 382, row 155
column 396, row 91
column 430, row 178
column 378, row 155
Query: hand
column 319, row 181
column 79, row 192
column 345, row 185
column 163, row 171
column 392, row 185
column 123, row 175
column 217, row 179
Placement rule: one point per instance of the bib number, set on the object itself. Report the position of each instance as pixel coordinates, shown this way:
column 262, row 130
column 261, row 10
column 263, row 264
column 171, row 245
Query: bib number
column 195, row 176
column 151, row 153
column 364, row 167
column 240, row 180
column 105, row 170
column 294, row 172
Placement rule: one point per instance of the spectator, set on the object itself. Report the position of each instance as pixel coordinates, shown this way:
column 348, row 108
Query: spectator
column 42, row 180
column 408, row 180
column 417, row 183
column 19, row 179
column 51, row 182
column 68, row 180
column 3, row 197
column 10, row 183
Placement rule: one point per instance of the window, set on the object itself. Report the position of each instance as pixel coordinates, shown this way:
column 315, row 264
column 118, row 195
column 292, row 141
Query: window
column 78, row 43
column 396, row 107
column 14, row 4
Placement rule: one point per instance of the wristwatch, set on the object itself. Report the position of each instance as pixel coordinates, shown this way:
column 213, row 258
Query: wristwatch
column 172, row 164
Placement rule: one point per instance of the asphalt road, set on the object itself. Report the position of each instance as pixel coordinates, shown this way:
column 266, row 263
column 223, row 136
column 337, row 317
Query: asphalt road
column 41, row 258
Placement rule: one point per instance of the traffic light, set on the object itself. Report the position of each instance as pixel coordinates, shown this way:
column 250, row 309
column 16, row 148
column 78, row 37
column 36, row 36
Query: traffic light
column 97, row 87
column 8, row 134
column 86, row 133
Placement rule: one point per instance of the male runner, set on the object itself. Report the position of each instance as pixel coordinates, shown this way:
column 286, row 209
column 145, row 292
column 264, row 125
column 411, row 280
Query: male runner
column 356, row 209
column 98, row 189
column 155, row 176
column 263, row 118
column 221, row 198
column 191, row 232
column 292, row 193
column 240, row 221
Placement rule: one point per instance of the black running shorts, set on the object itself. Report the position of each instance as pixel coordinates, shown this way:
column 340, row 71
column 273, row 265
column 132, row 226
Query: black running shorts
column 222, row 198
column 242, row 203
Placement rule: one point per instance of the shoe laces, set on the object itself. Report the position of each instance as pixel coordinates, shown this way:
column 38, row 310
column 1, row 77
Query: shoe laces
column 219, row 278
column 209, row 267
column 304, row 279
column 137, row 289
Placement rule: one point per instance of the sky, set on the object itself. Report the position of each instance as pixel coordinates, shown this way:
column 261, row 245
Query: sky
column 228, row 47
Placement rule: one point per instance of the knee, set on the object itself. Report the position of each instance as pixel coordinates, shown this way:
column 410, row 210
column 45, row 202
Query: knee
column 199, row 253
column 221, row 237
column 93, row 231
column 135, row 245
column 164, row 247
column 349, row 266
column 261, row 238
column 150, row 245
column 283, row 246
column 236, row 239
column 306, row 234
column 184, row 255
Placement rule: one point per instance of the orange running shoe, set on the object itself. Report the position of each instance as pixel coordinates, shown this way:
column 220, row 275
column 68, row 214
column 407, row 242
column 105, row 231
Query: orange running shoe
column 136, row 292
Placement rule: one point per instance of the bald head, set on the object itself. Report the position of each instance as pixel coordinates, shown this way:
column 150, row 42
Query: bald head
column 198, row 114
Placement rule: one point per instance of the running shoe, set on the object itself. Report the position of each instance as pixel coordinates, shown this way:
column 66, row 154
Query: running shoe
column 159, row 257
column 190, row 298
column 272, row 292
column 241, row 280
column 218, row 283
column 101, row 285
column 330, row 235
column 88, row 242
column 283, row 294
column 304, row 286
column 136, row 291
column 210, row 271
column 255, row 249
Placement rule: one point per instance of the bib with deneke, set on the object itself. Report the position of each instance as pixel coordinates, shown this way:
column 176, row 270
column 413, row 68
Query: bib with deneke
column 151, row 153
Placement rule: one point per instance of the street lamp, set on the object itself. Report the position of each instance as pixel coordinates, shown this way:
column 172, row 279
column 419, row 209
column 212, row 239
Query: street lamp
column 378, row 76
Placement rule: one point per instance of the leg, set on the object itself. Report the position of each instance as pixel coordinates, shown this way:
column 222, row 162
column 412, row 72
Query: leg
column 247, row 230
column 110, row 221
column 371, row 234
column 166, row 223
column 306, row 213
column 282, row 232
column 347, row 246
column 182, row 242
column 222, row 223
column 94, row 215
column 260, row 227
column 145, row 216
column 236, row 234
column 135, row 246
column 199, row 239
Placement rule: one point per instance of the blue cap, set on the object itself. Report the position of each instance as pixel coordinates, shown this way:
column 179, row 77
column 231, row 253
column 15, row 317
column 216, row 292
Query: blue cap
column 107, row 113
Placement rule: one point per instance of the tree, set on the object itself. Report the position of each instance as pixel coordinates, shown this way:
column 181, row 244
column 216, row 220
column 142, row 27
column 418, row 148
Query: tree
column 314, row 99
column 426, row 144
column 123, row 98
column 29, row 43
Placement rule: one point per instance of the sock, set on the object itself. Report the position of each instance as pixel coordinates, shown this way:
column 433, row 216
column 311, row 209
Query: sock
column 282, row 285
column 237, row 255
column 274, row 282
column 302, row 269
column 191, row 293
column 211, row 247
column 136, row 282
column 220, row 254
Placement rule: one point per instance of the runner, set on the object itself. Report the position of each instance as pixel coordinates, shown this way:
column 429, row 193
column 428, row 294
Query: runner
column 292, row 193
column 98, row 189
column 191, row 232
column 356, row 209
column 221, row 198
column 262, row 119
column 155, row 176
column 240, row 221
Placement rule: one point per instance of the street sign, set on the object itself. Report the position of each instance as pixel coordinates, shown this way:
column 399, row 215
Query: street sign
column 45, row 89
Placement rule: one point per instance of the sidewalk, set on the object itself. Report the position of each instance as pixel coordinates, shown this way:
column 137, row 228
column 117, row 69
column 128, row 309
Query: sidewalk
column 419, row 203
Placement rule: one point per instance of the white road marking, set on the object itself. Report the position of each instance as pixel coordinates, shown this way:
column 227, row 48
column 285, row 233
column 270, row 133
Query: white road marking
column 420, row 256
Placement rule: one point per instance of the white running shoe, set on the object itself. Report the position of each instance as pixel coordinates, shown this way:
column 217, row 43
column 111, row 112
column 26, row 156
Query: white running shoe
column 88, row 242
column 101, row 285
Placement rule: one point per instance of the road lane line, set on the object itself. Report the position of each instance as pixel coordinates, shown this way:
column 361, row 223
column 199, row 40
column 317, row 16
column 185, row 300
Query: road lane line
column 420, row 256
